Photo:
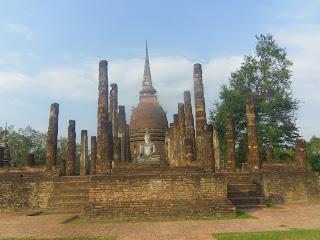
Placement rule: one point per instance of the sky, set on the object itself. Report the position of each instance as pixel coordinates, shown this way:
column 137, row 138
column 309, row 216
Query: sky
column 50, row 50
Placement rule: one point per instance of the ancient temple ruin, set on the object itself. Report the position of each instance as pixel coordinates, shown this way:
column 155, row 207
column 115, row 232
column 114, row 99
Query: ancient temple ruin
column 149, row 167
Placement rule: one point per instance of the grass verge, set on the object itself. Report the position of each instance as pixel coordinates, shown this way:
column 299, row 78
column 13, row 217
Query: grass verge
column 136, row 220
column 296, row 234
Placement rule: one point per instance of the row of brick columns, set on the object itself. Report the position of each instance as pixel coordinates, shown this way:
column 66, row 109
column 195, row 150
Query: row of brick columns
column 185, row 144
column 110, row 146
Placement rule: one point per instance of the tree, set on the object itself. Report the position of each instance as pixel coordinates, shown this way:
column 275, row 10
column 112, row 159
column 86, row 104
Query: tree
column 266, row 76
column 313, row 153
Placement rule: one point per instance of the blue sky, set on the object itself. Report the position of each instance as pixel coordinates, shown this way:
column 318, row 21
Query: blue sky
column 49, row 52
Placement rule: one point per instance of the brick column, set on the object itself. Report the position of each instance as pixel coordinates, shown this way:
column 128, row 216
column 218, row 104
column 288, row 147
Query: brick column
column 301, row 155
column 253, row 147
column 269, row 154
column 104, row 126
column 51, row 158
column 72, row 148
column 231, row 161
column 176, row 147
column 204, row 149
column 181, row 137
column 190, row 146
column 123, row 134
column 93, row 155
column 84, row 162
column 113, row 113
column 217, row 150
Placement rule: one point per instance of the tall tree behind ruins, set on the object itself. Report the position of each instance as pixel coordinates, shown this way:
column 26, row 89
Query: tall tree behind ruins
column 266, row 76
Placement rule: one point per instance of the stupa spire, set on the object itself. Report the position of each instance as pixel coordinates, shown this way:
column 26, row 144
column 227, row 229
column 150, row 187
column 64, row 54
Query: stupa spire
column 147, row 88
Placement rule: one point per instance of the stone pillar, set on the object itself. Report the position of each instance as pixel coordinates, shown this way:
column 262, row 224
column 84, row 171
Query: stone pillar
column 253, row 147
column 190, row 146
column 231, row 161
column 301, row 155
column 201, row 119
column 181, row 136
column 204, row 150
column 128, row 157
column 123, row 134
column 1, row 155
column 104, row 126
column 113, row 113
column 51, row 158
column 30, row 160
column 93, row 155
column 217, row 151
column 116, row 150
column 269, row 154
column 208, row 161
column 84, row 160
column 72, row 148
column 176, row 140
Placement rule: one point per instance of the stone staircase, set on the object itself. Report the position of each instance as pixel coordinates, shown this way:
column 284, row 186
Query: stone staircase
column 243, row 192
column 70, row 195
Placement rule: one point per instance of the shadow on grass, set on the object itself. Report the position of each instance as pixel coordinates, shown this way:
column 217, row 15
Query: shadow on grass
column 239, row 216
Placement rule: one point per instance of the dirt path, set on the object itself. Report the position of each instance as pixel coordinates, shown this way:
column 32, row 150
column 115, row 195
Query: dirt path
column 50, row 226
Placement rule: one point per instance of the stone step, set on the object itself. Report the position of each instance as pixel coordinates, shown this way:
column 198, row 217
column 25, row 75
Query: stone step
column 71, row 191
column 74, row 178
column 247, row 201
column 67, row 205
column 69, row 198
column 72, row 184
column 62, row 211
column 244, row 208
column 242, row 187
column 239, row 179
column 242, row 194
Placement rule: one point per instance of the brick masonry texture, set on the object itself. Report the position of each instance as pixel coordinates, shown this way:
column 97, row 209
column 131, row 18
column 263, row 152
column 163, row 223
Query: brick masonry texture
column 158, row 196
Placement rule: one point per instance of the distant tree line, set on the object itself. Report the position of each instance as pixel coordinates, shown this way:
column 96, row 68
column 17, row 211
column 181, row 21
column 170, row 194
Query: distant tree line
column 27, row 140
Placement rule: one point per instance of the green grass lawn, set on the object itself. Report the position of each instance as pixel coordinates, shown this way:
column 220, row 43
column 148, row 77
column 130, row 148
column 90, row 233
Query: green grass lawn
column 136, row 220
column 297, row 234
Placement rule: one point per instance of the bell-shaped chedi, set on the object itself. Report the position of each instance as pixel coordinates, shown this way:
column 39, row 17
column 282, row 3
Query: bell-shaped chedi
column 147, row 115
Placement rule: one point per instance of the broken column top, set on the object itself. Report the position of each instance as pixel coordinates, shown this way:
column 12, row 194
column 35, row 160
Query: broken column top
column 197, row 69
column 72, row 122
column 187, row 97
column 114, row 87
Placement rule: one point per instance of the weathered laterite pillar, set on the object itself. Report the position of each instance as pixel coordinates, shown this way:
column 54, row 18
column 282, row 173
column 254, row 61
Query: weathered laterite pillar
column 116, row 150
column 253, row 147
column 301, row 155
column 269, row 154
column 72, row 148
column 231, row 161
column 217, row 151
column 203, row 143
column 127, row 140
column 123, row 134
column 208, row 161
column 175, row 139
column 104, row 126
column 182, row 135
column 190, row 146
column 113, row 112
column 51, row 158
column 84, row 160
column 169, row 140
column 93, row 155
column 30, row 160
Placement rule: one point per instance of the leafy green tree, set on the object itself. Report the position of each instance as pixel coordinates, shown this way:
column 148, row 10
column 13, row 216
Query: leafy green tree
column 266, row 76
column 313, row 153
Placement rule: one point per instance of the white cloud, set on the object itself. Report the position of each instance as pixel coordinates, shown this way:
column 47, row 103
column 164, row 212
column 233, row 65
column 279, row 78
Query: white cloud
column 304, row 50
column 21, row 29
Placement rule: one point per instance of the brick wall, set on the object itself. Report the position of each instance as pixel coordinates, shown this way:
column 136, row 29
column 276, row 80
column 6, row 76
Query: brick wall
column 158, row 196
column 290, row 186
column 19, row 192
